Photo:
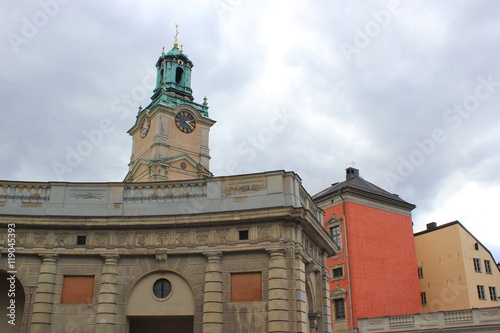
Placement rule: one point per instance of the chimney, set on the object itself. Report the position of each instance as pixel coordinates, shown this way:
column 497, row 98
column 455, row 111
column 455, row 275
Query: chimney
column 431, row 226
column 351, row 173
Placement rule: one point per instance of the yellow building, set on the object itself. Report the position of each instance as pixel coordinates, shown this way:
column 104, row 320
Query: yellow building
column 456, row 271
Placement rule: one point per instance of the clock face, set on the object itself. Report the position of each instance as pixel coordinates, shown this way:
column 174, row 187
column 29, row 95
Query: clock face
column 145, row 127
column 185, row 122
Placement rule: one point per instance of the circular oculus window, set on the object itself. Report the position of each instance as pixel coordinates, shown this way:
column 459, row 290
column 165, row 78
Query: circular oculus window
column 162, row 288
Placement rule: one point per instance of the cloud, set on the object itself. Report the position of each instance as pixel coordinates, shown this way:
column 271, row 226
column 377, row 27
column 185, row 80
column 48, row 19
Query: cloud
column 379, row 105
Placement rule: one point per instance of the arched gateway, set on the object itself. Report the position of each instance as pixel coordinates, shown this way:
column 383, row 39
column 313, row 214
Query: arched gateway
column 161, row 302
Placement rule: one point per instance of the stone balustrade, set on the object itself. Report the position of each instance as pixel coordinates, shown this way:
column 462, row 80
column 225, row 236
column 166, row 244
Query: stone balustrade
column 24, row 192
column 163, row 192
column 216, row 194
column 485, row 319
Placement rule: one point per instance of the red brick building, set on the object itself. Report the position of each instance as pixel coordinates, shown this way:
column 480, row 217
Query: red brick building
column 375, row 274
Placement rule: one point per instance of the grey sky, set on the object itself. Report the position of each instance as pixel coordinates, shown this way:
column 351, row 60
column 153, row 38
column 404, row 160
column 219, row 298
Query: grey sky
column 408, row 90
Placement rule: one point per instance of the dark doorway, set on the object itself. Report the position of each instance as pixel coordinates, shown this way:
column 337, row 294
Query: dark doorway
column 11, row 303
column 161, row 324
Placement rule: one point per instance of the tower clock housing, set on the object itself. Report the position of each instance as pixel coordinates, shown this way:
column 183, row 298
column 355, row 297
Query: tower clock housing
column 171, row 135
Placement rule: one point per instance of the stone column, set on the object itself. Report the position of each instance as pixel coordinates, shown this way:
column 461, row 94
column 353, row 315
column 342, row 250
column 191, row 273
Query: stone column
column 327, row 317
column 212, row 303
column 44, row 296
column 300, row 291
column 278, row 304
column 106, row 303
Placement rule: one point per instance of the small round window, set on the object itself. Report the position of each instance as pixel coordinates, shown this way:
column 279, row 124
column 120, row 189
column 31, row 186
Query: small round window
column 162, row 288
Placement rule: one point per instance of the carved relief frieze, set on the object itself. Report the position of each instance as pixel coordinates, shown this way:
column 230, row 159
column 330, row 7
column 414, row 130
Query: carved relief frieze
column 87, row 194
column 121, row 239
column 61, row 240
column 264, row 234
column 141, row 239
column 202, row 237
column 182, row 238
column 241, row 186
column 40, row 238
column 376, row 322
column 221, row 236
column 490, row 314
column 101, row 239
column 430, row 317
column 21, row 238
column 162, row 239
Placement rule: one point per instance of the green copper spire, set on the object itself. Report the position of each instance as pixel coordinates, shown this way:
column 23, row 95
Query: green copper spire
column 173, row 80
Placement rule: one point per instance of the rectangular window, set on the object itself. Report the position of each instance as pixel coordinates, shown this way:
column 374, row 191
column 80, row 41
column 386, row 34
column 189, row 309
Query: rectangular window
column 339, row 308
column 493, row 293
column 487, row 266
column 423, row 298
column 335, row 233
column 477, row 265
column 81, row 240
column 78, row 289
column 338, row 272
column 480, row 292
column 420, row 272
column 246, row 287
column 243, row 234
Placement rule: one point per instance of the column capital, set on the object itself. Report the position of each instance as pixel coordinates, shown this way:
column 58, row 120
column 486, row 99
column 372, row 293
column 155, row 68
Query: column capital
column 276, row 250
column 213, row 255
column 49, row 257
column 110, row 258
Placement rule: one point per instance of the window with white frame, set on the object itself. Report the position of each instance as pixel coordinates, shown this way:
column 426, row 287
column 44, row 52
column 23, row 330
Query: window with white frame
column 487, row 266
column 493, row 293
column 335, row 233
column 477, row 265
column 480, row 292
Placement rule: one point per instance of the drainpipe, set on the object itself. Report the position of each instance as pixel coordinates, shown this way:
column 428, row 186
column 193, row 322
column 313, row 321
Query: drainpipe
column 344, row 218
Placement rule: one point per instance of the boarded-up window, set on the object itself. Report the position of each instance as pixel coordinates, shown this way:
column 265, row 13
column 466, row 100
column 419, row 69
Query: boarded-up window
column 77, row 289
column 246, row 287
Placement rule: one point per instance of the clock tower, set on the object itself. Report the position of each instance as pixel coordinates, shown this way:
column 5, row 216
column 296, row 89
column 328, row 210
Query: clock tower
column 170, row 135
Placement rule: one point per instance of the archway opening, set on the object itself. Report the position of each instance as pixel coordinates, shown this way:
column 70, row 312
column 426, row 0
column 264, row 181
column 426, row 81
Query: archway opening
column 160, row 324
column 161, row 302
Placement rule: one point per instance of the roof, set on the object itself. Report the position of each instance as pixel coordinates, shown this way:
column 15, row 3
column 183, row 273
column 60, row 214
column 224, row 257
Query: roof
column 356, row 184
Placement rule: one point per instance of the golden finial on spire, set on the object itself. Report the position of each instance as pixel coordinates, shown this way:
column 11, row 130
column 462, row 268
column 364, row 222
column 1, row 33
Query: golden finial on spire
column 176, row 43
column 163, row 51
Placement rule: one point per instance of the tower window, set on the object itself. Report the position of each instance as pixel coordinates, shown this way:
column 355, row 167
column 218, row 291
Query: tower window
column 178, row 75
column 420, row 272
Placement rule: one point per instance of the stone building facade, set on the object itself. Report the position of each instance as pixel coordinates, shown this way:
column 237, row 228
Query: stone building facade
column 222, row 254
